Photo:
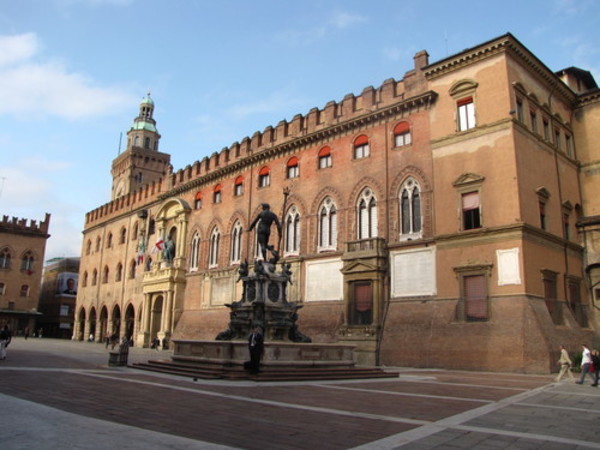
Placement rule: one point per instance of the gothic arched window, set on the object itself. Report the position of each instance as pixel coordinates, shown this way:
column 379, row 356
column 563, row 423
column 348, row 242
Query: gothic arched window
column 327, row 225
column 410, row 210
column 367, row 215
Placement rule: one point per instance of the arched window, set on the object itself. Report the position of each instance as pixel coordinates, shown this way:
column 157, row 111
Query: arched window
column 24, row 290
column 292, row 231
column 217, row 194
column 27, row 262
column 325, row 158
column 213, row 257
column 236, row 243
column 134, row 235
column 5, row 258
column 367, row 215
column 88, row 247
column 410, row 210
column 361, row 147
column 109, row 240
column 238, row 186
column 94, row 277
column 264, row 177
column 119, row 272
column 105, row 275
column 98, row 243
column 402, row 134
column 195, row 252
column 123, row 235
column 327, row 225
column 198, row 200
column 147, row 143
column 132, row 266
column 84, row 281
column 293, row 170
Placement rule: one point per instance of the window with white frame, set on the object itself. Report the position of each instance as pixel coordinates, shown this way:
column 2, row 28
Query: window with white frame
column 410, row 210
column 327, row 225
column 402, row 135
column 213, row 257
column 367, row 215
column 195, row 252
column 27, row 262
column 5, row 258
column 292, row 231
column 361, row 147
column 264, row 177
column 325, row 160
column 466, row 113
column 217, row 194
column 293, row 169
column 238, row 186
column 236, row 243
column 198, row 200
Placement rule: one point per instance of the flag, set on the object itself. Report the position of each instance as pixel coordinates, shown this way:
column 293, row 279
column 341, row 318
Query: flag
column 158, row 246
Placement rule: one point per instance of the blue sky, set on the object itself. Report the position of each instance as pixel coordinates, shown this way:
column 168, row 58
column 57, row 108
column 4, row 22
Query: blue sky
column 73, row 72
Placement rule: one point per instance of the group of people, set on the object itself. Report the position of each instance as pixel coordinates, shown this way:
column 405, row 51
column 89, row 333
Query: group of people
column 590, row 365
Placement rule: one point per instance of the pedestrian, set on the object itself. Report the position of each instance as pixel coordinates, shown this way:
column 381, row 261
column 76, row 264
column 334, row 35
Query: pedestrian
column 5, row 338
column 596, row 364
column 586, row 361
column 256, row 347
column 26, row 332
column 565, row 364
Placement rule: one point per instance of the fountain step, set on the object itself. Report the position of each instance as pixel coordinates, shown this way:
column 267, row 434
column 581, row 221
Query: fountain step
column 267, row 373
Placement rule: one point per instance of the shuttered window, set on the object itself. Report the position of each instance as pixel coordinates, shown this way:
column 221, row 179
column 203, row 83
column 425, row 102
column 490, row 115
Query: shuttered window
column 476, row 308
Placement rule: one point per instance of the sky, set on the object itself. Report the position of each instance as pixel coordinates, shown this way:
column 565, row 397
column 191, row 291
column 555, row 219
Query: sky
column 73, row 74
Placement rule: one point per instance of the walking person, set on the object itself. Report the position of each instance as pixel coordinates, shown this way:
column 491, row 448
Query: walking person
column 5, row 338
column 596, row 364
column 565, row 364
column 586, row 361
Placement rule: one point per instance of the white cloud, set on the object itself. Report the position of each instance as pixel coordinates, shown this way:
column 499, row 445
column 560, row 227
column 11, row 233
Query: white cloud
column 28, row 88
column 346, row 19
column 14, row 49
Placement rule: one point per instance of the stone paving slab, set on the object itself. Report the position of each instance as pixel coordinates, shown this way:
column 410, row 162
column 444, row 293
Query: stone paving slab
column 71, row 395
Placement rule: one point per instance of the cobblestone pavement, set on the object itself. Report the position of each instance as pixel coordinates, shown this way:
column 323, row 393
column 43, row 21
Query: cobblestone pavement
column 62, row 394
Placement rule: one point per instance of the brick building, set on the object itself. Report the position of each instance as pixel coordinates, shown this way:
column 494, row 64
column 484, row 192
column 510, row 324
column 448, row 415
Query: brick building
column 58, row 296
column 446, row 219
column 22, row 248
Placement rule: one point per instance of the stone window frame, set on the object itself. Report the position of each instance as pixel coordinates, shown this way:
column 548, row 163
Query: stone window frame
column 462, row 272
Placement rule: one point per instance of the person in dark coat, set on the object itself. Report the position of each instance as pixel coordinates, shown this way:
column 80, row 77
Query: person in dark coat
column 256, row 347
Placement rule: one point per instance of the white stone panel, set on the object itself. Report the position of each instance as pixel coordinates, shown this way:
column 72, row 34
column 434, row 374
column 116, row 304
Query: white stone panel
column 221, row 291
column 509, row 270
column 324, row 281
column 413, row 272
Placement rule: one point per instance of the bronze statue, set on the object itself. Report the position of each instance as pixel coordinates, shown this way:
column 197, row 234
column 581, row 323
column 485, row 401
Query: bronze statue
column 265, row 219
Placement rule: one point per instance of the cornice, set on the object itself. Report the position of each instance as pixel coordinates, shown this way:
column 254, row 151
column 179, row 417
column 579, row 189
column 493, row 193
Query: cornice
column 424, row 100
column 588, row 98
column 504, row 44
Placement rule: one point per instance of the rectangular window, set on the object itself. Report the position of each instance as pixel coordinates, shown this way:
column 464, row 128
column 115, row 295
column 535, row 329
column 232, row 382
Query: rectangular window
column 546, row 130
column 292, row 172
column 520, row 111
column 217, row 197
column 238, row 190
column 263, row 180
column 403, row 139
column 325, row 161
column 577, row 307
column 475, row 298
column 557, row 141
column 361, row 151
column 466, row 114
column 566, row 228
column 542, row 207
column 533, row 119
column 471, row 213
column 2, row 288
column 569, row 145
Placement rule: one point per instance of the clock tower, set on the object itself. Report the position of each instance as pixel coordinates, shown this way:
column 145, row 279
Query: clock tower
column 141, row 162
